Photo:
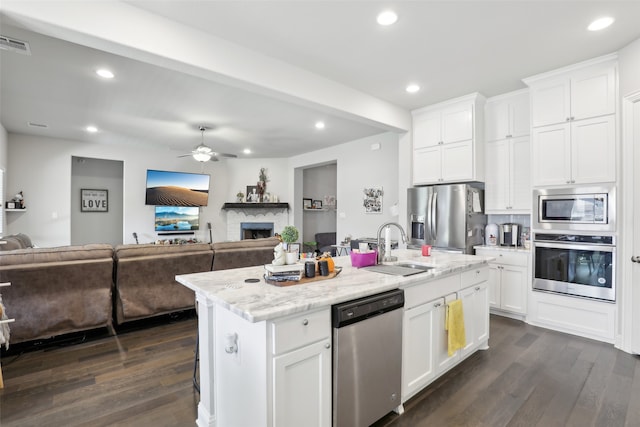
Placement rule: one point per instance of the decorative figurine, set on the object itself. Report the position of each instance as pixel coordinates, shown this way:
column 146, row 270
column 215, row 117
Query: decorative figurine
column 279, row 257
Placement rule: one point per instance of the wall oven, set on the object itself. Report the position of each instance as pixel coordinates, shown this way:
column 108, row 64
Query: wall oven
column 575, row 208
column 578, row 265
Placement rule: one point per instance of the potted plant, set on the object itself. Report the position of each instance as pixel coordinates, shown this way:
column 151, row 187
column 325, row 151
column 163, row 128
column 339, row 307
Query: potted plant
column 290, row 235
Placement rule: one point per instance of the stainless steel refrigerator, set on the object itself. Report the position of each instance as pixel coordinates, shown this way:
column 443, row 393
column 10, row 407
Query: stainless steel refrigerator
column 449, row 217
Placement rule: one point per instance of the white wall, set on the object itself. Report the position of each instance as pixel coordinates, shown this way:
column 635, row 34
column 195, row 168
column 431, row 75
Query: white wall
column 358, row 166
column 3, row 184
column 318, row 182
column 629, row 73
column 41, row 167
column 97, row 227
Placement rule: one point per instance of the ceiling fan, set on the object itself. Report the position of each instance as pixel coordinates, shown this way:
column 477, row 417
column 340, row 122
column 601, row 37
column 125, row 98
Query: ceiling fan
column 204, row 153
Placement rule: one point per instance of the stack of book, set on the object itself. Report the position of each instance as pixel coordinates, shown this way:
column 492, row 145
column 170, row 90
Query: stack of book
column 283, row 273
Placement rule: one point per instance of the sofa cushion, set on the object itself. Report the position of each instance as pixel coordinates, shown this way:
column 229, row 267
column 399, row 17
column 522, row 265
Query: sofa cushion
column 243, row 253
column 145, row 278
column 59, row 254
column 271, row 242
column 16, row 241
column 57, row 290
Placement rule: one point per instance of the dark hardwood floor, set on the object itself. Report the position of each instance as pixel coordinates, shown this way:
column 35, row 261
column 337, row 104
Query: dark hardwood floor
column 142, row 377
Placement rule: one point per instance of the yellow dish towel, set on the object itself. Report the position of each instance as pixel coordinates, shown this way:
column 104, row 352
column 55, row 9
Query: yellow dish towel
column 454, row 324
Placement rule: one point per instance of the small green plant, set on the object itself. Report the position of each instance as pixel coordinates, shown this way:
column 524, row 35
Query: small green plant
column 289, row 234
column 262, row 177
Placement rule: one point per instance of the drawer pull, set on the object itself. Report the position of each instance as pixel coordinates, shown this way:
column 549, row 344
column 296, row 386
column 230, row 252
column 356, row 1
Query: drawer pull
column 437, row 304
column 478, row 288
column 305, row 322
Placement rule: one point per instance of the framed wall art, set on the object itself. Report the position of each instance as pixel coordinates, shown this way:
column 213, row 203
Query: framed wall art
column 94, row 200
column 373, row 200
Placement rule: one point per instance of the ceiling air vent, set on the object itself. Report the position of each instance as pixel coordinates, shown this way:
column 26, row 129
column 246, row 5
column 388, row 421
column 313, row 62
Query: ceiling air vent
column 14, row 45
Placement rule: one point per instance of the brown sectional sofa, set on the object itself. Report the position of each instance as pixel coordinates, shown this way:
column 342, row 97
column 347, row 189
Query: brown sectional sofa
column 57, row 290
column 75, row 288
column 145, row 278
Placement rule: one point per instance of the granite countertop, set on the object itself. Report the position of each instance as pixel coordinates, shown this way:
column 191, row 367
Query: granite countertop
column 504, row 248
column 260, row 301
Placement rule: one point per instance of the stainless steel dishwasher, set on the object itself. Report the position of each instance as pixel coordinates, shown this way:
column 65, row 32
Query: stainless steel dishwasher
column 367, row 358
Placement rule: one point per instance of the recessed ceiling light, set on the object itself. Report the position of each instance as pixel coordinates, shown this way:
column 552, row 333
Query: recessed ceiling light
column 104, row 73
column 91, row 129
column 319, row 125
column 246, row 151
column 412, row 88
column 600, row 23
column 388, row 17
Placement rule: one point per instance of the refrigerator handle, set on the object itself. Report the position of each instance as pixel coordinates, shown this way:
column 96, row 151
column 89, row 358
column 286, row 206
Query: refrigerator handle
column 434, row 211
column 429, row 219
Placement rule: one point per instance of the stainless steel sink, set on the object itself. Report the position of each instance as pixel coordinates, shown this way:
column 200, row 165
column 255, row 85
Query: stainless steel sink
column 402, row 269
column 415, row 266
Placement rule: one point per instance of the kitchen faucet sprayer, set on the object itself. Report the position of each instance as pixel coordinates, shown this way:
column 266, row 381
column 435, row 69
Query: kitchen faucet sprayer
column 382, row 256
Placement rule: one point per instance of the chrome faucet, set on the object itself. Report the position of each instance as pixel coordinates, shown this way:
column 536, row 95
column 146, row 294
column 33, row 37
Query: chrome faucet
column 381, row 255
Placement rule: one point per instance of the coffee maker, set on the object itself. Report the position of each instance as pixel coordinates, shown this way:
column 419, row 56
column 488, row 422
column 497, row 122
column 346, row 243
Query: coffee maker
column 510, row 235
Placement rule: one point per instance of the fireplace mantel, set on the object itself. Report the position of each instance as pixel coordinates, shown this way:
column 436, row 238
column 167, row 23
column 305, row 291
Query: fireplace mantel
column 243, row 206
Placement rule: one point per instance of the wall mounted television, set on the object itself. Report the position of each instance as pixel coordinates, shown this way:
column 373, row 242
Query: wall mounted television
column 165, row 188
column 177, row 219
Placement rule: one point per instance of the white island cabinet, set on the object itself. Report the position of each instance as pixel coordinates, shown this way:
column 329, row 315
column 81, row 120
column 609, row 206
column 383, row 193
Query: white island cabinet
column 266, row 351
column 425, row 354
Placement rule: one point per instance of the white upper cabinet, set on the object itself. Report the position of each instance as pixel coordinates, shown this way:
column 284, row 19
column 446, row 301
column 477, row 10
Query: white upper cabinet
column 508, row 160
column 448, row 142
column 574, row 137
column 574, row 93
column 507, row 116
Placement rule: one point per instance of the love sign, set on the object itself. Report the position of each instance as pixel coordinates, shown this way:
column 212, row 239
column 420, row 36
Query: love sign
column 94, row 200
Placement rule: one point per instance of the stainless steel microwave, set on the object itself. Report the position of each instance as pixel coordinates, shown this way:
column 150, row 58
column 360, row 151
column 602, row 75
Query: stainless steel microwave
column 575, row 209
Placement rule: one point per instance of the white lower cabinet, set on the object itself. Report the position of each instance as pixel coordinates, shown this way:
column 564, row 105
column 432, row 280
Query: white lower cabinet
column 424, row 341
column 301, row 364
column 475, row 303
column 302, row 386
column 277, row 373
column 418, row 345
column 508, row 282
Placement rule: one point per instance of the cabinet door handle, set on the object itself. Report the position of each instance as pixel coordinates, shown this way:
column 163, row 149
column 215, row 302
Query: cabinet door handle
column 327, row 345
column 439, row 304
column 305, row 322
column 478, row 288
column 635, row 259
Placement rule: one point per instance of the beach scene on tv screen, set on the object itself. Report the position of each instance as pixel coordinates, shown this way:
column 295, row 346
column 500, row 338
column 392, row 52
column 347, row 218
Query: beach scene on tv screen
column 177, row 188
column 177, row 218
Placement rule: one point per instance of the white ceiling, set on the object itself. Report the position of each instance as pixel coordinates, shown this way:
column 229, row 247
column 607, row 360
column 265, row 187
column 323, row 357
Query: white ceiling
column 449, row 48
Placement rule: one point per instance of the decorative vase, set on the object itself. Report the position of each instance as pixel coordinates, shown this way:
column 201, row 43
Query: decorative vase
column 291, row 257
column 262, row 186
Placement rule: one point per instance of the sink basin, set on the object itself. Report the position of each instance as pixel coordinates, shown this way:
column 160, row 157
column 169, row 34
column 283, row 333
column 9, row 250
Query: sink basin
column 415, row 266
column 405, row 269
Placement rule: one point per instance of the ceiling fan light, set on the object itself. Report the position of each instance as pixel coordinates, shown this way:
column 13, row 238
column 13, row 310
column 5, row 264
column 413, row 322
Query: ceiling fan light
column 202, row 157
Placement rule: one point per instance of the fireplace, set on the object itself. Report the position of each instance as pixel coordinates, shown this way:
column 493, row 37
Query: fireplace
column 276, row 215
column 255, row 230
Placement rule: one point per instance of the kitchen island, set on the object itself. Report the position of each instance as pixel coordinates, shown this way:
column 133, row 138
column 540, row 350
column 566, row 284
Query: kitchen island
column 265, row 351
